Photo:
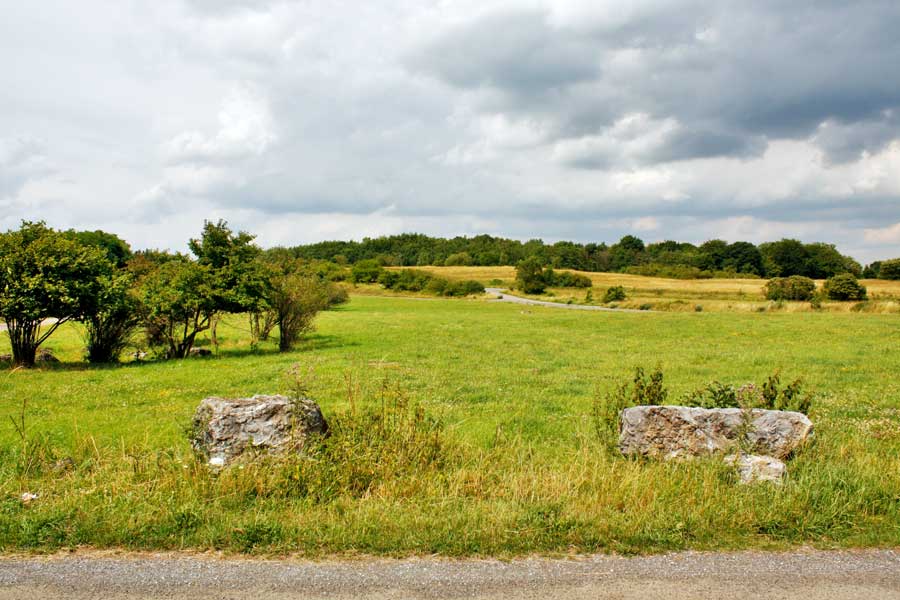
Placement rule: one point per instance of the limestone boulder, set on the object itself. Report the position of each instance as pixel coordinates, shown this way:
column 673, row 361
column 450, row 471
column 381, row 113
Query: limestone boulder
column 225, row 430
column 682, row 432
column 753, row 468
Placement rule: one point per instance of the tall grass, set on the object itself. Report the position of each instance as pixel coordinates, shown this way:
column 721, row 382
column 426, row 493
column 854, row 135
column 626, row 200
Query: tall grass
column 460, row 428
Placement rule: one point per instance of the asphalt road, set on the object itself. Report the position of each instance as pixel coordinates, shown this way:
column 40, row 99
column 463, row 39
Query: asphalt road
column 806, row 575
column 504, row 296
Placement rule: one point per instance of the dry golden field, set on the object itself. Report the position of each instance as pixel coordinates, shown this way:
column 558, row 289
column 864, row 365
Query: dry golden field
column 683, row 294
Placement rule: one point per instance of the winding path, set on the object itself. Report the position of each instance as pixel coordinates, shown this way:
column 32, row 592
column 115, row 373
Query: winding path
column 799, row 575
column 504, row 296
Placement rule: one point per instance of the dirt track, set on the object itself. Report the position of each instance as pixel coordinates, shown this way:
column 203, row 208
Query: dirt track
column 803, row 575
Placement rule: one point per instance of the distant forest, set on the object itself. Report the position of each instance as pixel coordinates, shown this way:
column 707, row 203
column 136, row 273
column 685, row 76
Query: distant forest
column 715, row 258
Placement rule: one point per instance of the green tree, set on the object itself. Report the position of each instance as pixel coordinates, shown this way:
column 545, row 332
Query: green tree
column 113, row 318
column 785, row 257
column 117, row 250
column 889, row 269
column 45, row 275
column 179, row 299
column 530, row 276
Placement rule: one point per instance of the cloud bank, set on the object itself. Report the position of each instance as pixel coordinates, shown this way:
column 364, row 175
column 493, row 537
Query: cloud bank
column 302, row 121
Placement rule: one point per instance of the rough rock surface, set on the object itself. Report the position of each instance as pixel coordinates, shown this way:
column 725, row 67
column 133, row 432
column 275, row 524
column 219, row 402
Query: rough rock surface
column 226, row 429
column 753, row 468
column 681, row 431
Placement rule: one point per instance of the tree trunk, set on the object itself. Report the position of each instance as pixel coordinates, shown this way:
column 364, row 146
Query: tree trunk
column 23, row 339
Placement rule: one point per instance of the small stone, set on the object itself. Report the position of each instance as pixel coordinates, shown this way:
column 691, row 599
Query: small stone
column 28, row 497
column 45, row 355
column 753, row 468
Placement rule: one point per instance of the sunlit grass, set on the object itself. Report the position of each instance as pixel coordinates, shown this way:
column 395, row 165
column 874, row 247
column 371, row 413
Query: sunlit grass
column 520, row 470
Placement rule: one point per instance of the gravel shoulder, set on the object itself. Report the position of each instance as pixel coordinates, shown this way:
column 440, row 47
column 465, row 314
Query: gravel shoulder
column 809, row 575
column 504, row 296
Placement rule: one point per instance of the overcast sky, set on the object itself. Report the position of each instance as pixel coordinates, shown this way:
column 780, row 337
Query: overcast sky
column 564, row 119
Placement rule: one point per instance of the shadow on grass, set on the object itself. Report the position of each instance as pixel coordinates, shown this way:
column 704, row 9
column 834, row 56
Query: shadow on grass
column 310, row 343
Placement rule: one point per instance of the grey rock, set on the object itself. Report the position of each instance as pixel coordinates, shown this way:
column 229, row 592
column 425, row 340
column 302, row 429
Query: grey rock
column 680, row 431
column 200, row 352
column 753, row 468
column 225, row 430
column 45, row 355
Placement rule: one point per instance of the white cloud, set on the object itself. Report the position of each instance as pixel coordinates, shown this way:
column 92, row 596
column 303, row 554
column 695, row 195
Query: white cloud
column 884, row 235
column 559, row 118
column 246, row 128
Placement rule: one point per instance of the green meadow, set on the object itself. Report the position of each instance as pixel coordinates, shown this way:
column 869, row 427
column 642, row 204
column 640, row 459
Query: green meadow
column 479, row 438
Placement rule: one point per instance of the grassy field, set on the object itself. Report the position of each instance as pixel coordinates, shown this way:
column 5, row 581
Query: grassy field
column 515, row 466
column 684, row 295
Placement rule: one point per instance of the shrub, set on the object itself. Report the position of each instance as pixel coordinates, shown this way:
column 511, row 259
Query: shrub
column 614, row 294
column 844, row 286
column 296, row 300
column 111, row 325
column 640, row 390
column 769, row 395
column 366, row 271
column 566, row 279
column 795, row 287
column 463, row 288
column 889, row 269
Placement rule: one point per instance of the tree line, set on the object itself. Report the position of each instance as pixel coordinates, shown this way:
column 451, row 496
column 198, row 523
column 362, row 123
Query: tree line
column 50, row 277
column 714, row 258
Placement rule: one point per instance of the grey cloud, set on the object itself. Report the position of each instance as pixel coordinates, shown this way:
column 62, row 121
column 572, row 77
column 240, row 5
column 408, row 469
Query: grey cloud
column 21, row 159
column 513, row 52
column 775, row 71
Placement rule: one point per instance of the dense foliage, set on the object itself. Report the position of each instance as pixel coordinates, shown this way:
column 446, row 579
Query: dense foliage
column 844, row 287
column 46, row 279
column 630, row 254
column 414, row 280
column 795, row 287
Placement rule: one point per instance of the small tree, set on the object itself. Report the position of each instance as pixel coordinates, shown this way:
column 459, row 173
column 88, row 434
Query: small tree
column 179, row 299
column 111, row 323
column 45, row 275
column 530, row 276
column 296, row 300
column 844, row 286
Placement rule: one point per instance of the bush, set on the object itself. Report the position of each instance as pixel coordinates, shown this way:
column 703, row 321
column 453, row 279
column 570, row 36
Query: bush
column 640, row 390
column 770, row 395
column 566, row 279
column 614, row 294
column 463, row 288
column 844, row 286
column 889, row 269
column 795, row 287
column 366, row 271
column 108, row 328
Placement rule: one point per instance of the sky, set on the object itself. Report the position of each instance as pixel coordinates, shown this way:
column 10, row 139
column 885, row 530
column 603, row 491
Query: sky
column 579, row 120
